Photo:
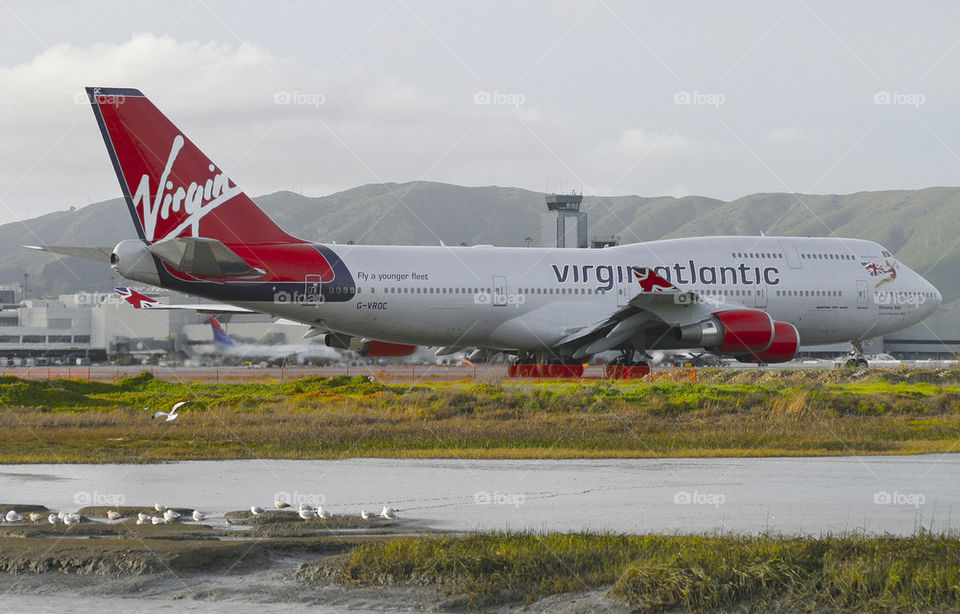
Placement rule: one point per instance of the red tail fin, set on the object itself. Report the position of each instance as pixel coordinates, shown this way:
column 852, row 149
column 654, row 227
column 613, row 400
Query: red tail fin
column 172, row 189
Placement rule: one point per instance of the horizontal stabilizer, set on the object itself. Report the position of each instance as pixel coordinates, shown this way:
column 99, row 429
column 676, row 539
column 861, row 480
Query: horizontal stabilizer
column 203, row 257
column 100, row 254
column 141, row 301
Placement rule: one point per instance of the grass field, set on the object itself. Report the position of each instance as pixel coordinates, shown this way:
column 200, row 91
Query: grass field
column 675, row 573
column 724, row 413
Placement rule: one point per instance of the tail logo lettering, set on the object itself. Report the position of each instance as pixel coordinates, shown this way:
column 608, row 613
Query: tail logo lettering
column 196, row 200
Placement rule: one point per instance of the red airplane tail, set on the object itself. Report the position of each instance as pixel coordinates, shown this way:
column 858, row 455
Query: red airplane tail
column 172, row 189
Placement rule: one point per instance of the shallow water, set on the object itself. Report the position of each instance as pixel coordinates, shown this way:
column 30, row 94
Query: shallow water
column 786, row 495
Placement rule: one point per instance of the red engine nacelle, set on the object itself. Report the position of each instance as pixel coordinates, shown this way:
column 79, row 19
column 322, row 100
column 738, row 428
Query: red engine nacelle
column 734, row 331
column 368, row 347
column 786, row 342
column 385, row 349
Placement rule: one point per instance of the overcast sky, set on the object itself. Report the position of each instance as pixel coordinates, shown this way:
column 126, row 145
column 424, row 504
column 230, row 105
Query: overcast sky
column 717, row 99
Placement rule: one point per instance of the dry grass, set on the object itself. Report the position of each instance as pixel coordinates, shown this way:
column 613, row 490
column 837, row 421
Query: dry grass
column 63, row 421
column 653, row 573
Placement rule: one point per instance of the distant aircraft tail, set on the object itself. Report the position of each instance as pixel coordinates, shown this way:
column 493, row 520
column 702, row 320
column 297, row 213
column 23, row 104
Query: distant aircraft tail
column 220, row 337
column 172, row 189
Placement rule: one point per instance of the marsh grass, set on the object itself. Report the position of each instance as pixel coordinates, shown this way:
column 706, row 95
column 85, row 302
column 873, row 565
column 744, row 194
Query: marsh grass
column 690, row 573
column 723, row 414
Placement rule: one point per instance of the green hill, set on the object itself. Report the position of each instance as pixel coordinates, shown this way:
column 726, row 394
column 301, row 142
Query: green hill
column 920, row 226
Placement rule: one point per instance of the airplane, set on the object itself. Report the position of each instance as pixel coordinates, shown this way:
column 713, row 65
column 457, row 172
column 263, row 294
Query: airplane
column 222, row 340
column 270, row 352
column 752, row 298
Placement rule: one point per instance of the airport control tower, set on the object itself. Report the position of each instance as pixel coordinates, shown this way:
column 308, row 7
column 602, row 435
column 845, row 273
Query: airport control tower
column 570, row 224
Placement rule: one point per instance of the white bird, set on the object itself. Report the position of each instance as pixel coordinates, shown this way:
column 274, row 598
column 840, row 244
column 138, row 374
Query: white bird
column 160, row 507
column 36, row 517
column 71, row 519
column 256, row 510
column 388, row 513
column 142, row 518
column 53, row 519
column 13, row 516
column 61, row 514
column 280, row 504
column 171, row 516
column 113, row 514
column 366, row 515
column 172, row 414
column 307, row 514
column 199, row 516
column 322, row 513
column 303, row 506
column 157, row 520
column 140, row 521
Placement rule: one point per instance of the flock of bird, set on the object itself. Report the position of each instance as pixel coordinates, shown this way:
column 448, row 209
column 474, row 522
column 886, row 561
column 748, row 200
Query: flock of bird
column 309, row 513
column 164, row 515
column 67, row 518
column 167, row 516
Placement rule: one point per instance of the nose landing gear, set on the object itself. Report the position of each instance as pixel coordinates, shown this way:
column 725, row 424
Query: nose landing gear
column 857, row 361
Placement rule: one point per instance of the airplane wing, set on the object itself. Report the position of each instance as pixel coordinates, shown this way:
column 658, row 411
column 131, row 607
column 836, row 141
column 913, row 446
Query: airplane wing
column 657, row 300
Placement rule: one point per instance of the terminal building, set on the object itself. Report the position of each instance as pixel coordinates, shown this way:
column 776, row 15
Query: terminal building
column 100, row 327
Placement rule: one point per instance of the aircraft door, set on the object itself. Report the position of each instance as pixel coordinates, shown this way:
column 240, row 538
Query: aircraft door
column 760, row 296
column 861, row 294
column 312, row 290
column 625, row 290
column 791, row 254
column 499, row 290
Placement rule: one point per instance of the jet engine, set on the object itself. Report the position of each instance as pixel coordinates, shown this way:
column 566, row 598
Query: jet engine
column 734, row 331
column 368, row 347
column 786, row 342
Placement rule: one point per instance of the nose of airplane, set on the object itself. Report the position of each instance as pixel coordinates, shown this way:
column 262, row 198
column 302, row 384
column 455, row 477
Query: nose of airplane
column 935, row 298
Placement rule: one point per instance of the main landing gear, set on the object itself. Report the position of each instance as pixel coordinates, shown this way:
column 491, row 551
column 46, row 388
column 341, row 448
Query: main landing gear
column 529, row 365
column 857, row 361
column 625, row 367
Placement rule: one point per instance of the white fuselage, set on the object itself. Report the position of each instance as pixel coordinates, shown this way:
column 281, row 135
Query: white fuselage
column 832, row 290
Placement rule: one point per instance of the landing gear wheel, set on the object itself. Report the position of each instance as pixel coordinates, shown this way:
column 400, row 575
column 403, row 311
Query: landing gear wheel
column 857, row 361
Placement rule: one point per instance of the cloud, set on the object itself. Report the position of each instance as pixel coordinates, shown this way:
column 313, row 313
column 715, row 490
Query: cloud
column 638, row 142
column 272, row 122
column 785, row 135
